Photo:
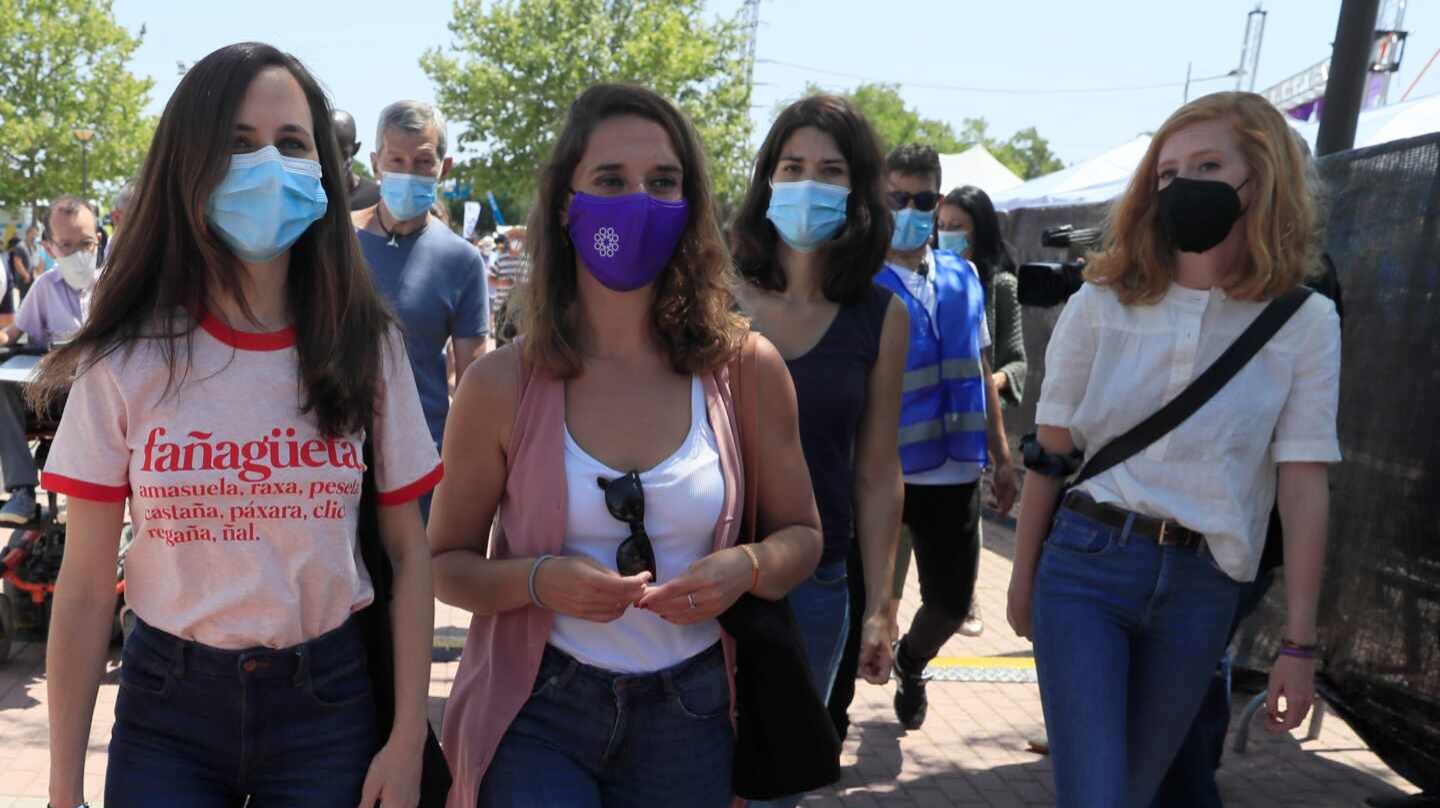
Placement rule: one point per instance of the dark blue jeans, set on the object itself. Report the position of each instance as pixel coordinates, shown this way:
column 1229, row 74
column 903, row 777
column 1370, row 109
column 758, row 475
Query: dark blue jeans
column 201, row 727
column 822, row 608
column 1127, row 633
column 589, row 737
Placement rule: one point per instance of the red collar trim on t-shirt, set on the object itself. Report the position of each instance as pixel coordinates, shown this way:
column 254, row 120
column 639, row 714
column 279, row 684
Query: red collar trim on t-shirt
column 246, row 340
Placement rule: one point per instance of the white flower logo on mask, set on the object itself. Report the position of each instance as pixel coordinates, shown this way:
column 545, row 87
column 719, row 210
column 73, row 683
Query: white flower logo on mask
column 607, row 242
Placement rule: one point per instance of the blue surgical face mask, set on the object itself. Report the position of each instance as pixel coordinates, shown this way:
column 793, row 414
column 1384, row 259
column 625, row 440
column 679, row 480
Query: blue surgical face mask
column 407, row 195
column 912, row 229
column 807, row 213
column 265, row 203
column 956, row 241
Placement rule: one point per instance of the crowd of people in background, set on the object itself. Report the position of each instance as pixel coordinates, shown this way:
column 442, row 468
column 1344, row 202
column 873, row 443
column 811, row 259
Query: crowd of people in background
column 654, row 425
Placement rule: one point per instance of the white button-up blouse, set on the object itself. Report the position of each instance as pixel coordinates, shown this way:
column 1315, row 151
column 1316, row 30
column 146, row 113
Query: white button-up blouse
column 1109, row 366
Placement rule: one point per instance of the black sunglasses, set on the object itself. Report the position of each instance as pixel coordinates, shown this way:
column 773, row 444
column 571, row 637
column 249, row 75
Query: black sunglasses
column 625, row 500
column 924, row 201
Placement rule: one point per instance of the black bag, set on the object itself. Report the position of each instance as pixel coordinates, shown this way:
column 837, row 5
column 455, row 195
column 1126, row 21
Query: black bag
column 380, row 644
column 785, row 742
column 1199, row 391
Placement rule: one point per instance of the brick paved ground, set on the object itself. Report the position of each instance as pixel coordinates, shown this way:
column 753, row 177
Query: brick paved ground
column 971, row 752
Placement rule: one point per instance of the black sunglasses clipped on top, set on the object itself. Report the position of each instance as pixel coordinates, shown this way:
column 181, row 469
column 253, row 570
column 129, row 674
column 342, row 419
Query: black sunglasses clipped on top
column 625, row 500
column 924, row 201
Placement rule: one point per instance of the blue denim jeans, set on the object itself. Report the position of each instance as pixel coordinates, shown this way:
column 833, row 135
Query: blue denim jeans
column 1127, row 633
column 1190, row 783
column 822, row 608
column 201, row 727
column 589, row 737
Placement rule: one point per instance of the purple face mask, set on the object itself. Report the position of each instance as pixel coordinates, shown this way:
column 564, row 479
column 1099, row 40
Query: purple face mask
column 626, row 241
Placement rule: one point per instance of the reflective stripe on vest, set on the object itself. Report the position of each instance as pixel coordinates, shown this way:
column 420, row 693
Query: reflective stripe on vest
column 965, row 422
column 920, row 379
column 960, row 369
column 950, row 369
column 936, row 429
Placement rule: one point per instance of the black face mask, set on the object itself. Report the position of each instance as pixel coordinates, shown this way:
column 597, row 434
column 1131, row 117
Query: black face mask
column 1196, row 215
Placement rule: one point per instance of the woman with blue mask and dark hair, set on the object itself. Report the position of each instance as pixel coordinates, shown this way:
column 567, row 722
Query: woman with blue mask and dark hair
column 809, row 238
column 967, row 225
column 235, row 361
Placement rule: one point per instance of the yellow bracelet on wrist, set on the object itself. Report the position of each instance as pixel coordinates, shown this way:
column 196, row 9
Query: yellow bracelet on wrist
column 755, row 565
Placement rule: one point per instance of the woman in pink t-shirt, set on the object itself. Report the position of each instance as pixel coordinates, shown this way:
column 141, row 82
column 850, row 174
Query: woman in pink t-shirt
column 596, row 673
column 235, row 361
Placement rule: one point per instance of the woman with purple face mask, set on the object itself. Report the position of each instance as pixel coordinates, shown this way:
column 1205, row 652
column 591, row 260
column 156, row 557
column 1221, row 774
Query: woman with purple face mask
column 596, row 673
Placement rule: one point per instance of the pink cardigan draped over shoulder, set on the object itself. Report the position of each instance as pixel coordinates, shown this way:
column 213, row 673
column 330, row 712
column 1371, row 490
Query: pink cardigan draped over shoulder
column 502, row 652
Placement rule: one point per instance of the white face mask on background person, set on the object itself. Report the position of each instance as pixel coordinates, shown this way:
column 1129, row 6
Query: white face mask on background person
column 78, row 269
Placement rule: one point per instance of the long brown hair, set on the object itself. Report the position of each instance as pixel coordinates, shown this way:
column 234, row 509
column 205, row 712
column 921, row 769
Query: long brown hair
column 170, row 257
column 857, row 252
column 1281, row 223
column 692, row 315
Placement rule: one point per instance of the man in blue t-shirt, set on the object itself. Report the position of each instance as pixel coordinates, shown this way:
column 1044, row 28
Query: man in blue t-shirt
column 433, row 278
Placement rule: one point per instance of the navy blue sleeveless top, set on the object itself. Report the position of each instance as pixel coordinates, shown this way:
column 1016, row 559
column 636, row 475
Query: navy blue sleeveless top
column 831, row 385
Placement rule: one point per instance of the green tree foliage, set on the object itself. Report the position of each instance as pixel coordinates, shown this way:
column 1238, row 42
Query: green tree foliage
column 1025, row 152
column 63, row 67
column 895, row 123
column 516, row 65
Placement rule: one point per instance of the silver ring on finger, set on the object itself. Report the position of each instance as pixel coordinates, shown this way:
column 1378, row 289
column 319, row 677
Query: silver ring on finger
column 691, row 597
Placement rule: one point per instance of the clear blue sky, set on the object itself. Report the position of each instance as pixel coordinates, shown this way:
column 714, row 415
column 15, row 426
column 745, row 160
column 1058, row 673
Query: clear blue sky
column 367, row 53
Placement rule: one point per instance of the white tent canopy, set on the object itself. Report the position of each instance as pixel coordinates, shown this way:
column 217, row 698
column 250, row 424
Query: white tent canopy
column 1098, row 179
column 1103, row 178
column 1395, row 122
column 976, row 166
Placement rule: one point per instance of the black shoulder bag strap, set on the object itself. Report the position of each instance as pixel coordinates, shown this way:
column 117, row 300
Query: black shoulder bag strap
column 1193, row 397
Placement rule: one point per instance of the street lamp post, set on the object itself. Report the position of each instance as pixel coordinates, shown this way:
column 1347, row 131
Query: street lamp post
column 84, row 134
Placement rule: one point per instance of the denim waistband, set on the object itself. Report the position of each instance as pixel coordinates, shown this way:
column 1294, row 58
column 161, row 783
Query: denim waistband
column 561, row 666
column 332, row 649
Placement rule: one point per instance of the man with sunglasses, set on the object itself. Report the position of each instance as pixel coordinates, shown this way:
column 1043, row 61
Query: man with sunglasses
column 950, row 423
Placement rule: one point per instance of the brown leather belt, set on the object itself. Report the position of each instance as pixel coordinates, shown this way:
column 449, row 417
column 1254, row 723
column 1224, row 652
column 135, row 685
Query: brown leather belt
column 1160, row 531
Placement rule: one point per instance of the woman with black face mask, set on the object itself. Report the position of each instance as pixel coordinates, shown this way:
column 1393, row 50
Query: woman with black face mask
column 1128, row 588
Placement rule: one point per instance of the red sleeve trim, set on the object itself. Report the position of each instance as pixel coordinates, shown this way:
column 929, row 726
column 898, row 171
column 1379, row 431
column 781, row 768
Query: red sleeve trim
column 80, row 489
column 414, row 490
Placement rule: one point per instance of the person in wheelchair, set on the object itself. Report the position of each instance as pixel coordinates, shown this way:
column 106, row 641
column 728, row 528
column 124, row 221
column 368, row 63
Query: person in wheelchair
column 52, row 311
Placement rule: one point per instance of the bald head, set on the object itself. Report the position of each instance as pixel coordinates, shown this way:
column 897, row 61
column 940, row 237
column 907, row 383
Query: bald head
column 344, row 126
column 345, row 132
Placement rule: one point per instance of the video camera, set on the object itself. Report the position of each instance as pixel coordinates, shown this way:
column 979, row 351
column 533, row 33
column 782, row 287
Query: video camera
column 1046, row 283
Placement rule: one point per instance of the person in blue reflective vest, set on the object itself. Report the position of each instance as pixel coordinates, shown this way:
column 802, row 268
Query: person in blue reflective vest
column 950, row 423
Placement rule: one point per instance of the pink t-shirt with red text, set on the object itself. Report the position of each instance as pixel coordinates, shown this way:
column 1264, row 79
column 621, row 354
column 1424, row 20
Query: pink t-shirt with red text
column 245, row 516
